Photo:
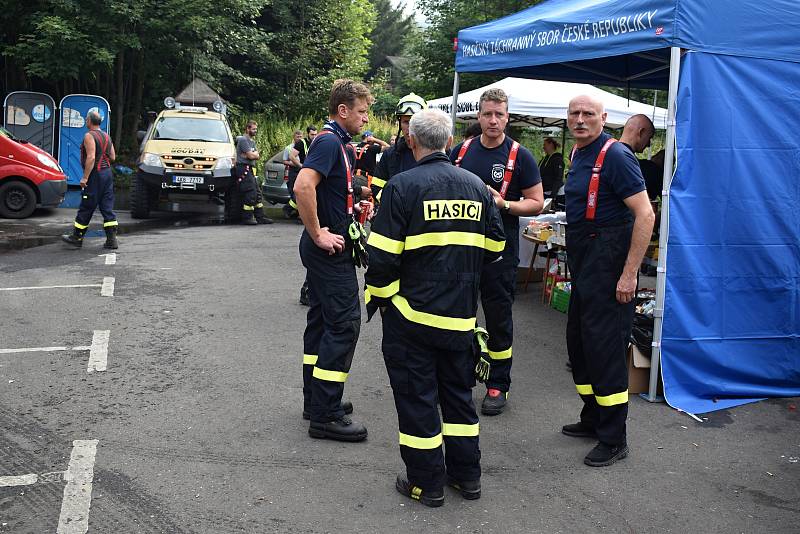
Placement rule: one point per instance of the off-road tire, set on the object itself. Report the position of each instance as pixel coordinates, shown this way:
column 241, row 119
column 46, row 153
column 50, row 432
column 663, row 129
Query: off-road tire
column 140, row 198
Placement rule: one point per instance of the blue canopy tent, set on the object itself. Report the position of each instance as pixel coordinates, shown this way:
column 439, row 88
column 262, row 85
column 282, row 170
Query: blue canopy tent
column 727, row 328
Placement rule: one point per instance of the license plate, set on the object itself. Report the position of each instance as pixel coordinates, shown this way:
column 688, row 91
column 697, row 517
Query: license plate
column 187, row 179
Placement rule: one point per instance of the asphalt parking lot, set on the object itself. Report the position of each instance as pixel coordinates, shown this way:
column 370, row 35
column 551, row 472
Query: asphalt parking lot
column 168, row 399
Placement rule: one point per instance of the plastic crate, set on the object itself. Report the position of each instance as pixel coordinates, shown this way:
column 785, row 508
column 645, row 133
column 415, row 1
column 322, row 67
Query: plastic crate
column 560, row 300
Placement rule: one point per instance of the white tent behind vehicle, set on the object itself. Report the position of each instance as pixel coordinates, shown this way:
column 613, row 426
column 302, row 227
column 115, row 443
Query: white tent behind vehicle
column 544, row 103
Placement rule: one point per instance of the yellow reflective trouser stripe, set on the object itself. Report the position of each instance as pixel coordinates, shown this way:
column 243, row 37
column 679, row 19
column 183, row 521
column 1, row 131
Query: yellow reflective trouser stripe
column 384, row 292
column 467, row 431
column 260, row 205
column 310, row 359
column 110, row 223
column 384, row 243
column 292, row 203
column 612, row 400
column 420, row 443
column 367, row 296
column 329, row 376
column 584, row 389
column 378, row 182
column 429, row 319
column 80, row 226
column 247, row 207
column 441, row 239
column 500, row 354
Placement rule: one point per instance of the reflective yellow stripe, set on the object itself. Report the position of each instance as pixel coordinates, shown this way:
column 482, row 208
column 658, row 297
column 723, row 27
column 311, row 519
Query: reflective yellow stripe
column 420, row 443
column 384, row 243
column 329, row 376
column 292, row 203
column 429, row 319
column 384, row 292
column 260, row 205
column 81, row 226
column 110, row 223
column 378, row 182
column 494, row 246
column 247, row 208
column 612, row 400
column 441, row 239
column 467, row 431
column 378, row 197
column 310, row 359
column 584, row 389
column 367, row 296
column 501, row 354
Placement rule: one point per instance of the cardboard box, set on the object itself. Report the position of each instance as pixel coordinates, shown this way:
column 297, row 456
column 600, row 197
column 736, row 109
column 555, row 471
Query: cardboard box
column 639, row 372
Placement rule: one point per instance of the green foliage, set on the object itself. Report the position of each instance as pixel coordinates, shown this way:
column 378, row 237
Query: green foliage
column 391, row 32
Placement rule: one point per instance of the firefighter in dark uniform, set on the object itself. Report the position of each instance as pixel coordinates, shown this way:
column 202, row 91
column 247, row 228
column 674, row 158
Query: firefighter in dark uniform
column 325, row 200
column 366, row 157
column 511, row 172
column 97, row 184
column 398, row 157
column 245, row 173
column 609, row 226
column 436, row 228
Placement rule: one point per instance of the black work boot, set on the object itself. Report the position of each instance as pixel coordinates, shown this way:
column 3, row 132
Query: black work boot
column 604, row 454
column 469, row 489
column 578, row 430
column 494, row 402
column 260, row 217
column 248, row 218
column 344, row 429
column 347, row 406
column 75, row 238
column 431, row 498
column 111, row 238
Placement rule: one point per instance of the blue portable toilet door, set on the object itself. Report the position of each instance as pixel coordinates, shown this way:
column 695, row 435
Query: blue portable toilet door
column 31, row 117
column 72, row 128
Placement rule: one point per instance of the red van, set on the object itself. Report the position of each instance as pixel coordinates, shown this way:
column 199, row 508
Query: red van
column 29, row 178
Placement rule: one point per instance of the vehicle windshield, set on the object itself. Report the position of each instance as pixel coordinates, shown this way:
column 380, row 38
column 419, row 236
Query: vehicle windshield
column 191, row 129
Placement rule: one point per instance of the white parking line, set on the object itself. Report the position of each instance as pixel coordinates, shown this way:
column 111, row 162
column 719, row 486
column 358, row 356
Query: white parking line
column 106, row 288
column 74, row 517
column 98, row 351
column 19, row 480
column 111, row 258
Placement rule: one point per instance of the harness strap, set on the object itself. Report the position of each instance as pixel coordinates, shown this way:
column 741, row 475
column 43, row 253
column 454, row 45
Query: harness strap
column 594, row 182
column 104, row 140
column 509, row 171
column 349, row 171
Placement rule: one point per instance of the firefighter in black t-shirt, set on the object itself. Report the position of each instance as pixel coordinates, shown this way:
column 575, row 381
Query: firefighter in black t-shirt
column 512, row 175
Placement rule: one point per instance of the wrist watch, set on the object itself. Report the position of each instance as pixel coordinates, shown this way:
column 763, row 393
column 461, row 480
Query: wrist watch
column 506, row 206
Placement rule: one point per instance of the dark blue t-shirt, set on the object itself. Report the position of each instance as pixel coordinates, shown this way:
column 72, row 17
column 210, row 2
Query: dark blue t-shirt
column 325, row 156
column 620, row 178
column 490, row 165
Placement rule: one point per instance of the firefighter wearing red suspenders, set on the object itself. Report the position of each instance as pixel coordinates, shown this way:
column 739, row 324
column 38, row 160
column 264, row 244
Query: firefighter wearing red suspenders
column 511, row 172
column 329, row 249
column 609, row 225
column 97, row 153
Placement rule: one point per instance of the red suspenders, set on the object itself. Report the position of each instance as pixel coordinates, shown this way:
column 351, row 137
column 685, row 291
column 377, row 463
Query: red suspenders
column 594, row 181
column 509, row 171
column 103, row 146
column 349, row 172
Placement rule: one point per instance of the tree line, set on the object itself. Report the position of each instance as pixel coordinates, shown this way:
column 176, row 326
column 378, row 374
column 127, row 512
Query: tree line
column 271, row 58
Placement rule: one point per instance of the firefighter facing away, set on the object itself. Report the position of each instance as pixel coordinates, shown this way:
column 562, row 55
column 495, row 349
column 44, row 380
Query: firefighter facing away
column 97, row 184
column 437, row 227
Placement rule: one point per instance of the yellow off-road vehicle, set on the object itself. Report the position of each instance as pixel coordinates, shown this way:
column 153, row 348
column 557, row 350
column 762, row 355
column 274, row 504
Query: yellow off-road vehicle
column 187, row 153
